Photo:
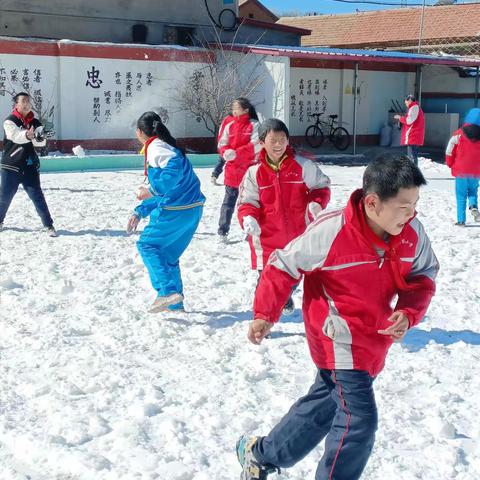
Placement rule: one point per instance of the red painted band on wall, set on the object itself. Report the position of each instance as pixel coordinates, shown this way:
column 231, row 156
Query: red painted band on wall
column 64, row 48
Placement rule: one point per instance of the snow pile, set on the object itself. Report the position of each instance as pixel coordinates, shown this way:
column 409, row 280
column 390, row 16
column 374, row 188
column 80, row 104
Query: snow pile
column 93, row 387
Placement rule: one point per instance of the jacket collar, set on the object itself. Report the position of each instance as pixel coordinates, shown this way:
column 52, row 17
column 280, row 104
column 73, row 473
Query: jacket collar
column 289, row 154
column 25, row 120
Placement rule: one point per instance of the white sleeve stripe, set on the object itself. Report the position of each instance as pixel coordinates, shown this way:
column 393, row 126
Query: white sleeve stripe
column 412, row 114
column 249, row 190
column 223, row 140
column 451, row 144
column 255, row 140
column 312, row 175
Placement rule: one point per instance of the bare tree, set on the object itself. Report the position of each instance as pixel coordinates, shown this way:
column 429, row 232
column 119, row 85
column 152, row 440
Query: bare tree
column 207, row 93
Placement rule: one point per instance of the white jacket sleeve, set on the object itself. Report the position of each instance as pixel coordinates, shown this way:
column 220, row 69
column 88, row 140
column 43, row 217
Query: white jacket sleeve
column 14, row 133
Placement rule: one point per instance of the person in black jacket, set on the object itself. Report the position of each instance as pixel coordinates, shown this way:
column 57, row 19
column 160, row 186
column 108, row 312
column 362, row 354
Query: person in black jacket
column 20, row 163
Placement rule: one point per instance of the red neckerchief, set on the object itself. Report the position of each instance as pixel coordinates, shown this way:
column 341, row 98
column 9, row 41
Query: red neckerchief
column 145, row 148
column 390, row 247
column 25, row 120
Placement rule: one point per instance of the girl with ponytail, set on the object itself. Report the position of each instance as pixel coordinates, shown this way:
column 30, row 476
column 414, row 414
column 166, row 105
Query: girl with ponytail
column 238, row 146
column 174, row 203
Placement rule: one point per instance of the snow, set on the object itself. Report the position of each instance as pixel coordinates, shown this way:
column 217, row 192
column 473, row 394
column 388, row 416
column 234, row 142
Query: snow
column 93, row 387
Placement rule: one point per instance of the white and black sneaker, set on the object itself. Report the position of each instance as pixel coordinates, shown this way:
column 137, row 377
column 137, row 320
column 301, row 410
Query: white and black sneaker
column 289, row 307
column 51, row 231
column 475, row 214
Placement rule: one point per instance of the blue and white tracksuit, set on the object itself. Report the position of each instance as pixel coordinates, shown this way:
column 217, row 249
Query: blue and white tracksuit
column 175, row 211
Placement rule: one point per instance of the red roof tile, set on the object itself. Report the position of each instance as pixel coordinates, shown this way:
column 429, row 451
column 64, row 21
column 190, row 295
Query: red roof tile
column 389, row 27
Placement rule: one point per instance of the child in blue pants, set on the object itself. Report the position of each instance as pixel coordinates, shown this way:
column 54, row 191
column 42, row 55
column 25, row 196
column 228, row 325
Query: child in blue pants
column 174, row 203
column 463, row 158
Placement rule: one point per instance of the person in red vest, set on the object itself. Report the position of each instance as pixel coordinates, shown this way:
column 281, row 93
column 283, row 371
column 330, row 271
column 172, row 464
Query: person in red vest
column 413, row 127
column 463, row 158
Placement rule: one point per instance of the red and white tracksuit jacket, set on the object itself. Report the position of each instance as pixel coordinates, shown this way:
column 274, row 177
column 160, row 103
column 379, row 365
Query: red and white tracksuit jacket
column 413, row 126
column 351, row 277
column 282, row 202
column 239, row 146
column 463, row 155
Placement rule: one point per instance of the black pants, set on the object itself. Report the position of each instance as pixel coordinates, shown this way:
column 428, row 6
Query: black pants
column 412, row 152
column 226, row 212
column 30, row 180
column 217, row 171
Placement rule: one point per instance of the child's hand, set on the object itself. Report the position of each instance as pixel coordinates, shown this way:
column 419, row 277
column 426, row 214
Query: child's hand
column 143, row 193
column 399, row 328
column 132, row 224
column 30, row 133
column 258, row 330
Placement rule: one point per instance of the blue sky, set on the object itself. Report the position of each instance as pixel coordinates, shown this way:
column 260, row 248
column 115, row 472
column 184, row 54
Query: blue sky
column 331, row 6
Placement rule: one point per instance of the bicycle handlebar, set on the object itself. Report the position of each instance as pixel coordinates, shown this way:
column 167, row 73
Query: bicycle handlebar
column 315, row 114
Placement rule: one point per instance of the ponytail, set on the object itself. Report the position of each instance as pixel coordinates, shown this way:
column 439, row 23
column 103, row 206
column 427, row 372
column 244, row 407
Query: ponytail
column 151, row 125
column 246, row 105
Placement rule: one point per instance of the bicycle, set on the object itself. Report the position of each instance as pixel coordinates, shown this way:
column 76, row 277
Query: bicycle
column 338, row 136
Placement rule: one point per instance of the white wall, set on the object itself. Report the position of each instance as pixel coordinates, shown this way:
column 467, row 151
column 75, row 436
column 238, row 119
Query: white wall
column 375, row 91
column 68, row 93
column 312, row 90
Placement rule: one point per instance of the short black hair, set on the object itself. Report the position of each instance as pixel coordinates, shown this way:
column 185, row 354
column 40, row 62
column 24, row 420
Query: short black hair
column 410, row 97
column 388, row 173
column 272, row 125
column 21, row 94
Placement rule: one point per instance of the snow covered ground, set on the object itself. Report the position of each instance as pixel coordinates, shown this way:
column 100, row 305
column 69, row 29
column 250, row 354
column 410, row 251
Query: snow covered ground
column 93, row 387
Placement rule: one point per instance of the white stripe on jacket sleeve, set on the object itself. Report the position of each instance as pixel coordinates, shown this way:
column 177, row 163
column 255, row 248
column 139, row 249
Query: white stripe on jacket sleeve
column 312, row 174
column 412, row 114
column 310, row 250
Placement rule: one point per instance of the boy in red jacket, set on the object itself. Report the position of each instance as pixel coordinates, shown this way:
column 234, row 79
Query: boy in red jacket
column 463, row 158
column 354, row 261
column 279, row 196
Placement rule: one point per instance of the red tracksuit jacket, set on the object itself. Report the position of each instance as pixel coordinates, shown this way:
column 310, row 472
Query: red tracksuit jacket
column 239, row 134
column 463, row 155
column 413, row 126
column 351, row 277
column 279, row 202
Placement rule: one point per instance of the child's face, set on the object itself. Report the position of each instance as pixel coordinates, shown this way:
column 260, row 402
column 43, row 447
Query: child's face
column 237, row 109
column 391, row 215
column 275, row 144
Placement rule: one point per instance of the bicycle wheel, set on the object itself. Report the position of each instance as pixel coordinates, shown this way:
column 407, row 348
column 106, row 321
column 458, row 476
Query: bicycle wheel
column 314, row 136
column 340, row 138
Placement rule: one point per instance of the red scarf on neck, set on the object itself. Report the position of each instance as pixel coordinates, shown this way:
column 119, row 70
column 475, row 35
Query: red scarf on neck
column 25, row 120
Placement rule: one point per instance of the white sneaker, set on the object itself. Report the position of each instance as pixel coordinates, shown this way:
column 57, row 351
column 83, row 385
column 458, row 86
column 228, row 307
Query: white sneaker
column 475, row 214
column 51, row 231
column 162, row 303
